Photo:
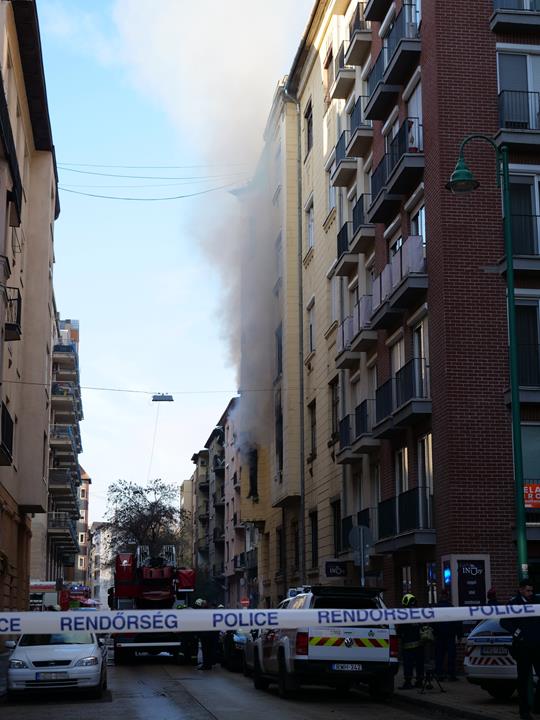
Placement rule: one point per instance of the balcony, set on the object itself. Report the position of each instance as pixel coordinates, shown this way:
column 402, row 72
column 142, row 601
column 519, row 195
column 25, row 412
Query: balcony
column 364, row 337
column 345, row 455
column 218, row 570
column 219, row 535
column 384, row 206
column 347, row 262
column 66, row 402
column 402, row 284
column 406, row 160
column 356, row 434
column 62, row 441
column 515, row 16
column 345, row 358
column 344, row 76
column 64, row 488
column 203, row 483
column 6, row 437
column 65, row 362
column 218, row 500
column 345, row 168
column 61, row 527
column 376, row 9
column 382, row 95
column 403, row 400
column 12, row 328
column 359, row 37
column 218, row 464
column 363, row 232
column 405, row 521
column 519, row 118
column 202, row 513
column 403, row 46
column 361, row 132
column 240, row 562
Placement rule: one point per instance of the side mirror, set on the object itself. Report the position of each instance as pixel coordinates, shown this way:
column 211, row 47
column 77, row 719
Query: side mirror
column 10, row 644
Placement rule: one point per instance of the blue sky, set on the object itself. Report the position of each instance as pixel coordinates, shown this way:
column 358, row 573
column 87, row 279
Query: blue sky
column 153, row 84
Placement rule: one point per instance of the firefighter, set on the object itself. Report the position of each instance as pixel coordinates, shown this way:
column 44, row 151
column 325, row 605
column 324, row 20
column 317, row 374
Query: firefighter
column 207, row 639
column 412, row 648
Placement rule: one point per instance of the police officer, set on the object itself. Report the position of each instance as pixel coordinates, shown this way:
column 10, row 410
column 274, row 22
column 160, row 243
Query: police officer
column 525, row 648
column 412, row 648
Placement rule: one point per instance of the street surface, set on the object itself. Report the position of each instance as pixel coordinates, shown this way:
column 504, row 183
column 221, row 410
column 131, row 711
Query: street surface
column 157, row 688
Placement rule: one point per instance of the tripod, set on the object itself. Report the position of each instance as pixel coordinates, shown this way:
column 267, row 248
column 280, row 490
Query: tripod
column 429, row 679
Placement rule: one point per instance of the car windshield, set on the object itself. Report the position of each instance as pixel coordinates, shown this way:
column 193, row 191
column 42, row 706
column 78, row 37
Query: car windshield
column 67, row 638
column 345, row 603
column 489, row 627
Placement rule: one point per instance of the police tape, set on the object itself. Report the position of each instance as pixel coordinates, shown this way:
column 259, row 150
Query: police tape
column 147, row 621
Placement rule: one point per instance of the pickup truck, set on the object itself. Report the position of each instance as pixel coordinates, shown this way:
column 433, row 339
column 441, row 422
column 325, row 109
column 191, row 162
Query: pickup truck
column 336, row 656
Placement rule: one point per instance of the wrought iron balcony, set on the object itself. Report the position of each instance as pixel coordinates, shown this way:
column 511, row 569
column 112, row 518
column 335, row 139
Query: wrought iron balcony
column 363, row 231
column 62, row 526
column 344, row 76
column 203, row 484
column 384, row 205
column 406, row 520
column 347, row 261
column 364, row 337
column 345, row 167
column 361, row 136
column 515, row 16
column 382, row 95
column 345, row 358
column 6, row 437
column 519, row 117
column 359, row 37
column 12, row 330
column 402, row 46
column 403, row 400
column 218, row 500
column 218, row 464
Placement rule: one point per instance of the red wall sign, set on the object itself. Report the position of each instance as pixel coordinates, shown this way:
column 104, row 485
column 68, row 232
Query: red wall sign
column 532, row 496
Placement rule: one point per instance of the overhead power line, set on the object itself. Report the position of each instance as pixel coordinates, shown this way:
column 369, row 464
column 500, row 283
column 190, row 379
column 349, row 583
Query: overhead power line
column 150, row 167
column 152, row 177
column 147, row 199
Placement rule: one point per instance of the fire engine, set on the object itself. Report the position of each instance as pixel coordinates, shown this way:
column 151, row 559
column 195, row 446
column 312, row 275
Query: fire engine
column 143, row 582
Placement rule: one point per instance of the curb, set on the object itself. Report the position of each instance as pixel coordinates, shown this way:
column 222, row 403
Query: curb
column 448, row 710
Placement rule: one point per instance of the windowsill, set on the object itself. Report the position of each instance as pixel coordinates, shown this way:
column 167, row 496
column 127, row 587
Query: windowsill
column 331, row 330
column 329, row 221
column 308, row 256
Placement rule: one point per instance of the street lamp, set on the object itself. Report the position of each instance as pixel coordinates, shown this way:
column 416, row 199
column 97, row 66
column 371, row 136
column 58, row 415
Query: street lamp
column 462, row 181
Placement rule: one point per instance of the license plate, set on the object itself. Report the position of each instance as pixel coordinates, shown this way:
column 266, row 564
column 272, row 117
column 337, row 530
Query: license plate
column 494, row 650
column 347, row 667
column 51, row 675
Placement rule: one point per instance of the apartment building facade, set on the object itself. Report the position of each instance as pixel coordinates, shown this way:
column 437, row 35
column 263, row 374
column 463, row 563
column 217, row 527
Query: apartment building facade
column 81, row 569
column 100, row 562
column 27, row 313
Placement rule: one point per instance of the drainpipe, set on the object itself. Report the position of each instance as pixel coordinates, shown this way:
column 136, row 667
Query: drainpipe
column 302, row 515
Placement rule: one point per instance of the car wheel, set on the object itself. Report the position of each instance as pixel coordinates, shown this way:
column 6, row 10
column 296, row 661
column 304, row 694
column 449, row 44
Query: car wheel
column 382, row 687
column 97, row 692
column 500, row 691
column 259, row 682
column 287, row 685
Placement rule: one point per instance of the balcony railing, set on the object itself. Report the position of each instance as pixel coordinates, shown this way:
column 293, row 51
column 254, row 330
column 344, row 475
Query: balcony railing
column 341, row 147
column 379, row 177
column 218, row 534
column 364, row 417
column 409, row 258
column 519, row 110
column 360, row 211
column 64, row 389
column 345, row 433
column 343, row 239
column 405, row 27
column 410, row 510
column 339, row 63
column 529, row 365
column 66, row 347
column 376, row 74
column 362, row 314
column 525, row 234
column 412, row 382
column 531, row 5
column 13, row 314
column 251, row 558
column 63, row 521
column 358, row 23
column 409, row 139
column 382, row 287
column 358, row 116
column 384, row 399
column 345, row 334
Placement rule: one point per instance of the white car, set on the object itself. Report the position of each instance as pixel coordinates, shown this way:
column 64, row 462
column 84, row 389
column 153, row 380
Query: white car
column 59, row 661
column 488, row 662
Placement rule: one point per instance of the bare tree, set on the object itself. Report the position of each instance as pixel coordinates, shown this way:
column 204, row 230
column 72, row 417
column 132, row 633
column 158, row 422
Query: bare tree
column 147, row 515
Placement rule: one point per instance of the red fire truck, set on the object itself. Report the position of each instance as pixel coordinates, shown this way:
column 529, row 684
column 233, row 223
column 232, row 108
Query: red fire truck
column 143, row 582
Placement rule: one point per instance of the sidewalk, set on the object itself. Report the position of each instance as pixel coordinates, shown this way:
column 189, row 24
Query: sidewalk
column 461, row 699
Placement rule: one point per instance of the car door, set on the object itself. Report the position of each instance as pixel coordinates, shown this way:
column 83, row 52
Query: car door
column 271, row 643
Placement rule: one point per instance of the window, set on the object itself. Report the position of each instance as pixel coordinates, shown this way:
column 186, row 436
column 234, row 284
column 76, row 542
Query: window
column 401, row 470
column 310, row 227
column 308, row 127
column 528, row 339
column 312, row 413
column 81, row 562
column 425, row 463
column 280, row 550
column 418, row 223
column 311, row 328
column 329, row 75
column 336, row 526
column 279, row 350
column 525, row 212
column 519, row 83
column 253, row 468
column 334, row 294
column 334, row 408
column 406, row 579
column 530, row 439
column 397, row 356
column 330, row 192
column 83, row 492
column 82, row 538
column 314, row 534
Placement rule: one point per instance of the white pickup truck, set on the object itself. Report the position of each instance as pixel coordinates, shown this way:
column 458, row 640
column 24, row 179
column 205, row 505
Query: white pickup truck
column 335, row 656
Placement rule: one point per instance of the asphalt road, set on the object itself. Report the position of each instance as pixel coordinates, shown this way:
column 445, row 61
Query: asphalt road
column 156, row 688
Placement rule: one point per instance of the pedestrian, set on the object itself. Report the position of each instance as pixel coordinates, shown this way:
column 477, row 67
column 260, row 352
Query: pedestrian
column 492, row 597
column 412, row 648
column 525, row 648
column 446, row 634
column 207, row 641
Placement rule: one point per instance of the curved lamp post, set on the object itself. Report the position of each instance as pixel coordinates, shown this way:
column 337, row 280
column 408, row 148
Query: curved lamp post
column 463, row 181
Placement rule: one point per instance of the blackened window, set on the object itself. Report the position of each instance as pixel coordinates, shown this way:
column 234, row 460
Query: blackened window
column 280, row 550
column 308, row 119
column 253, row 467
column 314, row 531
column 336, row 526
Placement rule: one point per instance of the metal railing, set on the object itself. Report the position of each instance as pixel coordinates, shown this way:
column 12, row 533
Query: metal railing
column 531, row 5
column 62, row 432
column 65, row 347
column 339, row 63
column 410, row 510
column 376, row 74
column 409, row 139
column 379, row 177
column 384, row 400
column 345, row 334
column 364, row 417
column 409, row 259
column 362, row 314
column 251, row 558
column 65, row 389
column 519, row 110
column 358, row 22
column 405, row 27
column 341, row 147
column 358, row 115
column 345, row 434
column 382, row 287
column 359, row 213
column 13, row 309
column 529, row 365
column 412, row 382
column 63, row 521
column 218, row 534
column 525, row 234
column 343, row 238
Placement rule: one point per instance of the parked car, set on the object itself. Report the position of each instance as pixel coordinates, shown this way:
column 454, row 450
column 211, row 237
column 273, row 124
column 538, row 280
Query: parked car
column 488, row 662
column 335, row 656
column 70, row 661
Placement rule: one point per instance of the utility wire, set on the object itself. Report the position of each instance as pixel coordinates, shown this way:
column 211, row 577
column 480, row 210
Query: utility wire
column 152, row 177
column 135, row 187
column 150, row 167
column 148, row 199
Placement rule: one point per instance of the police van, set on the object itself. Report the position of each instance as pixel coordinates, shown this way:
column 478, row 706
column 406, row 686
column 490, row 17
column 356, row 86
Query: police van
column 335, row 656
